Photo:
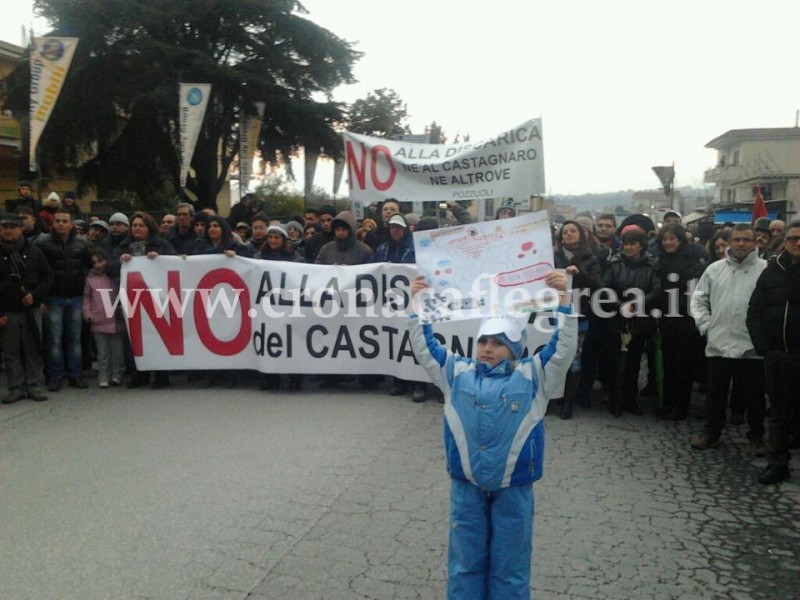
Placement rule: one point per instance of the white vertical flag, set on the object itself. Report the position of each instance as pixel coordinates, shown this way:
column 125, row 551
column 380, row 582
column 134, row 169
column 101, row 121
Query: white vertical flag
column 192, row 109
column 50, row 61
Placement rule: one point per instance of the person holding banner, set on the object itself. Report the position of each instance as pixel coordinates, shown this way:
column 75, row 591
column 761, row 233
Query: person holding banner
column 143, row 240
column 400, row 249
column 345, row 249
column 494, row 439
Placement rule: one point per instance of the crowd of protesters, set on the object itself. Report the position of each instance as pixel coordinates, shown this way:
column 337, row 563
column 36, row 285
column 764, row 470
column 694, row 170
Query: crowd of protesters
column 716, row 307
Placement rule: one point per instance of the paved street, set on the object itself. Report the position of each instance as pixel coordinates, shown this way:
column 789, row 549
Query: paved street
column 217, row 494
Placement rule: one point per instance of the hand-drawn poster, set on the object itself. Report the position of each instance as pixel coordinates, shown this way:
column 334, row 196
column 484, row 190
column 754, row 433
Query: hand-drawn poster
column 495, row 267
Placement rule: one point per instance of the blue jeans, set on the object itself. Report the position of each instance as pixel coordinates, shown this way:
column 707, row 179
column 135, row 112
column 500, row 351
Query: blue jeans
column 64, row 337
column 491, row 541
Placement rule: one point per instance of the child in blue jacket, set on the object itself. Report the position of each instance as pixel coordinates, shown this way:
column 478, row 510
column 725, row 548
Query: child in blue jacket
column 494, row 443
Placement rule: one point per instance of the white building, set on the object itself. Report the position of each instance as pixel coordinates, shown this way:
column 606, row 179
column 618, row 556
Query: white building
column 750, row 158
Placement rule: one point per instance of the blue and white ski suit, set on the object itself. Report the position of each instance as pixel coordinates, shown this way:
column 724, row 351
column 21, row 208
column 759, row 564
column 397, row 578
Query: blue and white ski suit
column 494, row 442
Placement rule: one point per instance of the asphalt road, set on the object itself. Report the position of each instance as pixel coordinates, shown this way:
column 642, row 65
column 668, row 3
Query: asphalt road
column 231, row 494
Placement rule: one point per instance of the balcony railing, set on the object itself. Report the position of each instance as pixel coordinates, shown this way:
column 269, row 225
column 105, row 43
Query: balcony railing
column 722, row 174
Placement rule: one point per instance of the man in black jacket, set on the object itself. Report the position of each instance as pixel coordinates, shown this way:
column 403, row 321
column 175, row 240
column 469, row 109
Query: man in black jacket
column 25, row 277
column 773, row 320
column 68, row 256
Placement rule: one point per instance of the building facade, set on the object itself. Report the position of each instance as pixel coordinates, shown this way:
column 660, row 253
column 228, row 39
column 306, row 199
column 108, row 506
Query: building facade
column 748, row 159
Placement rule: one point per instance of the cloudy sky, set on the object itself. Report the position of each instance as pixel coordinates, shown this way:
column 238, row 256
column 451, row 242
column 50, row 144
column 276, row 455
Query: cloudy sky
column 621, row 85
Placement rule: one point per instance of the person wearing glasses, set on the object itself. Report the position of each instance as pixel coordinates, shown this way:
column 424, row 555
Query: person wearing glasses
column 773, row 320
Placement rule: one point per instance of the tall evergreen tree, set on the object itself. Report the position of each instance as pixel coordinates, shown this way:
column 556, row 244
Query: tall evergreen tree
column 380, row 114
column 116, row 122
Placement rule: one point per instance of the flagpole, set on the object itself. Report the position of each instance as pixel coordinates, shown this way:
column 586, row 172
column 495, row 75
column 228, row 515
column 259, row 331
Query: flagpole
column 672, row 189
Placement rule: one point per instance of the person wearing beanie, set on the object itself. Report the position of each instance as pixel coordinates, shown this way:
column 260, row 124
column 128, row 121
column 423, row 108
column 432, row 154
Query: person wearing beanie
column 494, row 408
column 47, row 214
column 294, row 230
column 318, row 240
column 119, row 224
column 278, row 247
column 763, row 237
column 505, row 212
column 644, row 222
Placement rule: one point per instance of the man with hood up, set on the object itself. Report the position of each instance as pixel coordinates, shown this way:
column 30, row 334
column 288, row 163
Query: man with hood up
column 345, row 249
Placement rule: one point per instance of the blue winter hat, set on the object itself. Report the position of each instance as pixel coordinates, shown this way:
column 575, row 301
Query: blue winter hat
column 509, row 331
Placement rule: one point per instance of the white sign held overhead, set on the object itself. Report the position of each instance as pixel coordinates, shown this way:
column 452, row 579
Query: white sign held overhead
column 482, row 269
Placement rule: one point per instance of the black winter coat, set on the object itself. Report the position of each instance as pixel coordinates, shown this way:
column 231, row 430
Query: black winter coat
column 675, row 271
column 773, row 316
column 589, row 275
column 70, row 261
column 152, row 244
column 640, row 273
column 33, row 274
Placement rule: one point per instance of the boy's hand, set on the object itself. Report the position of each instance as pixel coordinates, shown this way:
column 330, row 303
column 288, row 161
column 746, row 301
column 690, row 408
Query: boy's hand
column 418, row 284
column 556, row 280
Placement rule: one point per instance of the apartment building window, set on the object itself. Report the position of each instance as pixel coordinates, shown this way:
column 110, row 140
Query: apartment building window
column 735, row 161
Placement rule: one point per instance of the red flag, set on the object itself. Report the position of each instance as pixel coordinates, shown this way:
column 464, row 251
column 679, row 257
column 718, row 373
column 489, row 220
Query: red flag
column 759, row 208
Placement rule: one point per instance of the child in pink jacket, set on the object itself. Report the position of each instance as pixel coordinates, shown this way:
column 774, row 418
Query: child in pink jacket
column 99, row 297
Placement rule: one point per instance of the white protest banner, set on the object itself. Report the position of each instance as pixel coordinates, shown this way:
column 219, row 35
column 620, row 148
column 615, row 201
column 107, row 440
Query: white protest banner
column 215, row 312
column 192, row 109
column 50, row 61
column 507, row 165
column 494, row 267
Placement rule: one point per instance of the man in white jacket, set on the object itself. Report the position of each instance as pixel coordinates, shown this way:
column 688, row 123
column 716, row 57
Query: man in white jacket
column 719, row 307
